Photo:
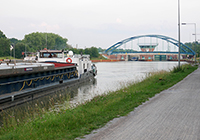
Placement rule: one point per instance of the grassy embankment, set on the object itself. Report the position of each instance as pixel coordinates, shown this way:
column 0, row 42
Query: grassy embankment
column 98, row 58
column 7, row 57
column 76, row 122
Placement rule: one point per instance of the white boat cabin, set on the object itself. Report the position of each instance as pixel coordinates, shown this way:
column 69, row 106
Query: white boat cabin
column 82, row 62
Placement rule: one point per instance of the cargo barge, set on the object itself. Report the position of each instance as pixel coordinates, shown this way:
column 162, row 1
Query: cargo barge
column 47, row 70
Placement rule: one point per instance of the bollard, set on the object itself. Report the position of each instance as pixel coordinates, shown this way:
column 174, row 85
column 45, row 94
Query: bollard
column 13, row 98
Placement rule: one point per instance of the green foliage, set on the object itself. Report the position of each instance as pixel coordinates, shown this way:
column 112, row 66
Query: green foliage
column 93, row 52
column 14, row 41
column 195, row 46
column 4, row 45
column 98, row 58
column 19, row 48
column 100, row 50
column 178, row 69
column 76, row 122
column 124, row 51
column 37, row 41
column 31, row 43
column 2, row 35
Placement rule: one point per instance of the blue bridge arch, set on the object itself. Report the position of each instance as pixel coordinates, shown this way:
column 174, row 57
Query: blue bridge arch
column 184, row 48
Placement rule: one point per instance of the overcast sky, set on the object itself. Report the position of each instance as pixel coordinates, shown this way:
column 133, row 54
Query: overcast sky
column 99, row 23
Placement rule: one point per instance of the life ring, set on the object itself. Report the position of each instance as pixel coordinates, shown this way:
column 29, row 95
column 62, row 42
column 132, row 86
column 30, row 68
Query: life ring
column 69, row 60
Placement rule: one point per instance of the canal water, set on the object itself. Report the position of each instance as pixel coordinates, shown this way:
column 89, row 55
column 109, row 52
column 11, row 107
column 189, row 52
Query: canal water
column 114, row 75
column 111, row 76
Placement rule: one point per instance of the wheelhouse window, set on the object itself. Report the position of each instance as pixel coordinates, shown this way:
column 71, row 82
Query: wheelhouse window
column 50, row 55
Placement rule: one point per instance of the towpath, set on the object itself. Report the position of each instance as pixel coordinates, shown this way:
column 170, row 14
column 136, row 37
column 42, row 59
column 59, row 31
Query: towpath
column 174, row 114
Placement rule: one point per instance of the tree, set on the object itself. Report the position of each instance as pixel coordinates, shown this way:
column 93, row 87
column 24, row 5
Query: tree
column 81, row 51
column 100, row 50
column 75, row 51
column 2, row 35
column 94, row 52
column 4, row 45
column 37, row 41
column 14, row 41
column 87, row 51
column 195, row 46
column 19, row 48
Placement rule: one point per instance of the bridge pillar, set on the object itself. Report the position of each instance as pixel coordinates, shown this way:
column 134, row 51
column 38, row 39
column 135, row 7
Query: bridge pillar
column 126, row 58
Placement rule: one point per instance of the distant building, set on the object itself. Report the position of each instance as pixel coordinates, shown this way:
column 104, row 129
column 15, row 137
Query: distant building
column 147, row 47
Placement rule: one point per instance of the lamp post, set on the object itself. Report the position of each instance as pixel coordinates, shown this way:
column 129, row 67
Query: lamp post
column 179, row 30
column 195, row 37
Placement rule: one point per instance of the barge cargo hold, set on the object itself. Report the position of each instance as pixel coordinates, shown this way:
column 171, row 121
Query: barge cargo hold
column 20, row 82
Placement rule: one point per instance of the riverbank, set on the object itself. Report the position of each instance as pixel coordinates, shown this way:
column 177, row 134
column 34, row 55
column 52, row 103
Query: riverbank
column 110, row 60
column 173, row 114
column 75, row 122
column 105, row 60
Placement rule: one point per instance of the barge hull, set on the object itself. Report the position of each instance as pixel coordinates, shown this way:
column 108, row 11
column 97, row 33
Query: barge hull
column 10, row 100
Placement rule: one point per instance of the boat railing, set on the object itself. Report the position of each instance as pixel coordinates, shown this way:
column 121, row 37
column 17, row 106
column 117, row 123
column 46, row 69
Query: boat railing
column 10, row 61
column 7, row 61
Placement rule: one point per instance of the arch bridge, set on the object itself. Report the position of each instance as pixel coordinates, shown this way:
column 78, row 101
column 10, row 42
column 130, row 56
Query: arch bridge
column 184, row 49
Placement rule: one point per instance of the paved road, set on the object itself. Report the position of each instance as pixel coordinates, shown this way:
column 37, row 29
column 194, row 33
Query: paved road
column 174, row 114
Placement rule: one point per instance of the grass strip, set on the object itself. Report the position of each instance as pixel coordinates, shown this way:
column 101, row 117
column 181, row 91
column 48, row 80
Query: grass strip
column 76, row 122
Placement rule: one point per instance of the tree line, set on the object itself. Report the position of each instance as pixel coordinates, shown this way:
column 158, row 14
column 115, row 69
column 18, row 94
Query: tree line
column 195, row 46
column 93, row 52
column 4, row 45
column 38, row 41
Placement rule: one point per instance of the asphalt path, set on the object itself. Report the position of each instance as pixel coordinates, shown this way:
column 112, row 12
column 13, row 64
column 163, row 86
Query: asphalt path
column 173, row 114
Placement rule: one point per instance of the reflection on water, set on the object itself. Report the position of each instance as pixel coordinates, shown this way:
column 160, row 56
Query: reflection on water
column 85, row 92
column 59, row 100
column 111, row 76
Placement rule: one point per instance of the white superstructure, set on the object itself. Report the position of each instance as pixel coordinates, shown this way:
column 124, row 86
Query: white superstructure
column 82, row 62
